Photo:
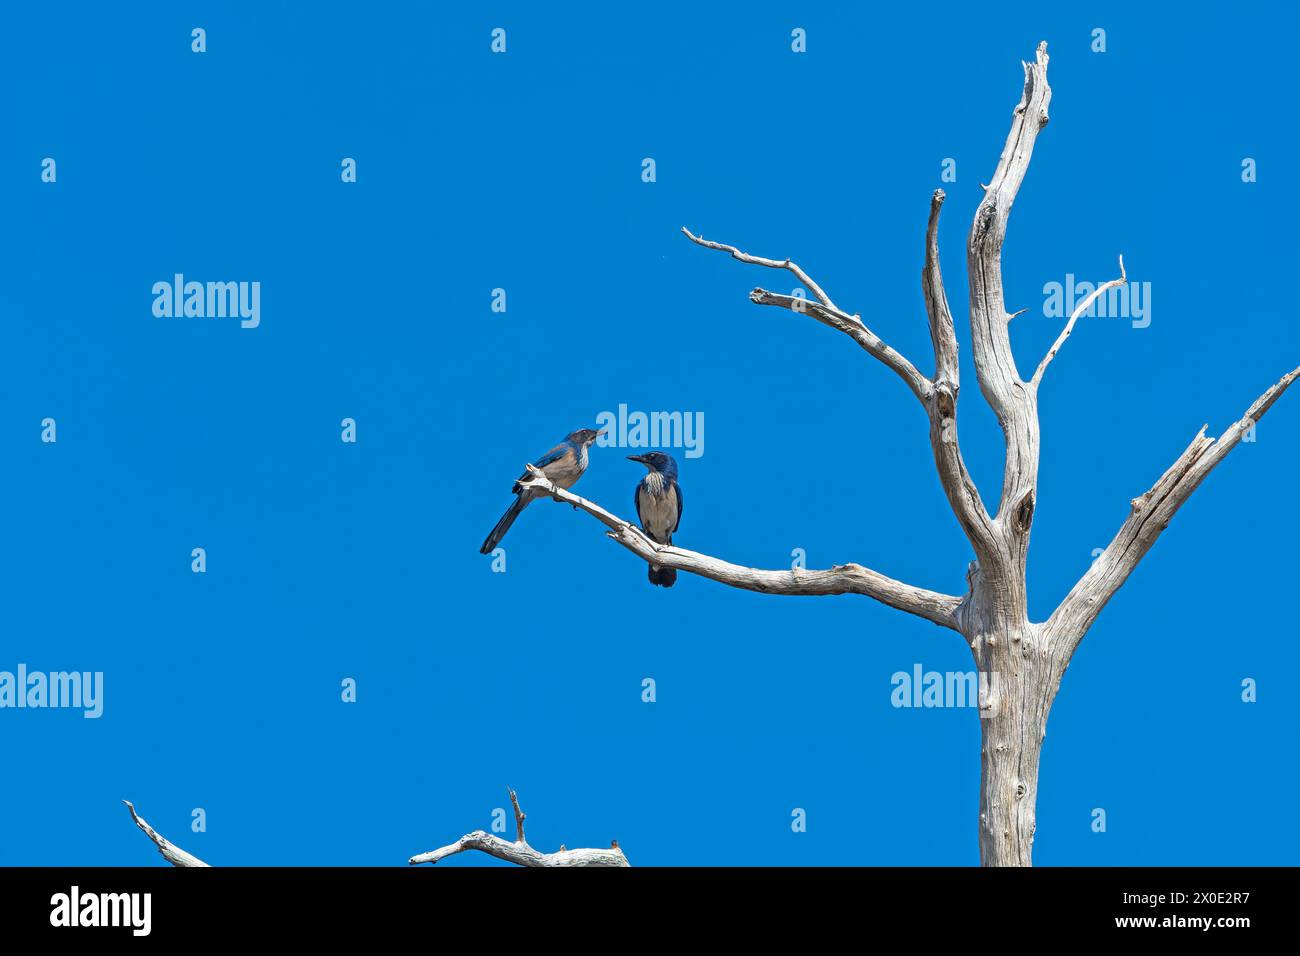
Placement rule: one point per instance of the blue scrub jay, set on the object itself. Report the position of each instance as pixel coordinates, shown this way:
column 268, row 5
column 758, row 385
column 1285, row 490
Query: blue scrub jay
column 563, row 465
column 659, row 506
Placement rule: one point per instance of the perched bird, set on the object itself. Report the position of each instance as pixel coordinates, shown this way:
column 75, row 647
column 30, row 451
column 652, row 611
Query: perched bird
column 659, row 506
column 563, row 465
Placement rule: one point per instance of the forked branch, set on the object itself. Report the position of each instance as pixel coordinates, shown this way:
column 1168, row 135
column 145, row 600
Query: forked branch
column 519, row 852
column 826, row 312
column 938, row 397
column 995, row 364
column 841, row 579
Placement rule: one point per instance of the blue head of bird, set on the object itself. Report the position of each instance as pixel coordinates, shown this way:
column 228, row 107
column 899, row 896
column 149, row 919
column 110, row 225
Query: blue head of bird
column 657, row 461
column 584, row 437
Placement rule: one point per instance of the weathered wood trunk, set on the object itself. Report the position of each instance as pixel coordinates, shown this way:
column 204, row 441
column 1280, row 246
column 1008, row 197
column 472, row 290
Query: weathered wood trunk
column 1022, row 678
column 1020, row 674
column 1011, row 652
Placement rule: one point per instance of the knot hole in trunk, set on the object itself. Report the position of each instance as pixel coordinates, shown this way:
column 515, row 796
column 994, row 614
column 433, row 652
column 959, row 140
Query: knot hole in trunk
column 1025, row 511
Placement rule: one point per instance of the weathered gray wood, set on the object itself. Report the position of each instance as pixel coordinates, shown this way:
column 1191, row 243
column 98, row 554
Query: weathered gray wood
column 1081, row 308
column 825, row 311
column 1026, row 660
column 1149, row 515
column 941, row 404
column 519, row 852
column 170, row 851
column 842, row 579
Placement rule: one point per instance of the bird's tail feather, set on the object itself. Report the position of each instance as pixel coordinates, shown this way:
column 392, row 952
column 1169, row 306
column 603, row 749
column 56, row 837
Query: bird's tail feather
column 503, row 526
column 664, row 577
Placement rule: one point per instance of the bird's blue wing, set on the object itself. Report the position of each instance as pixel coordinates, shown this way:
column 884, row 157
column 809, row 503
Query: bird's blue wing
column 552, row 456
column 555, row 454
column 636, row 502
column 678, row 488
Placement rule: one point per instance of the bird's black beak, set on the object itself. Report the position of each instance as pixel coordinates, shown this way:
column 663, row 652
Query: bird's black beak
column 640, row 458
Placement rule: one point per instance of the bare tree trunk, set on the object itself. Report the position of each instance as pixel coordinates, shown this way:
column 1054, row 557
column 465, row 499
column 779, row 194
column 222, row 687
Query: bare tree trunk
column 1022, row 682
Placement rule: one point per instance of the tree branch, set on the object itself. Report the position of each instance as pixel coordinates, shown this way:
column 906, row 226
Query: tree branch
column 997, row 369
column 841, row 579
column 826, row 312
column 942, row 333
column 960, row 489
column 1012, row 402
column 171, row 853
column 520, row 816
column 1149, row 515
column 799, row 274
column 519, row 852
column 1074, row 317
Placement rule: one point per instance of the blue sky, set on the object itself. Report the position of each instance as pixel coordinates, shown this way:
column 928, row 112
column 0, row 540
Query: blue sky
column 522, row 171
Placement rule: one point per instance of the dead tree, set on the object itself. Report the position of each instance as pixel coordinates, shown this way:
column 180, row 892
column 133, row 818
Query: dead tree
column 1026, row 659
